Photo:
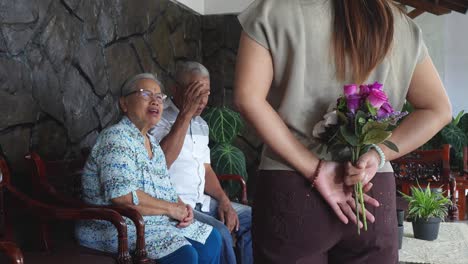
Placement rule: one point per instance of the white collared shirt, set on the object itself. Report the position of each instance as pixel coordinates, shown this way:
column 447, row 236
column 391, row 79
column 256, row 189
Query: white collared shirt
column 187, row 172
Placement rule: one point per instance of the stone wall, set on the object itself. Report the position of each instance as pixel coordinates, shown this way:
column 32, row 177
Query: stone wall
column 62, row 63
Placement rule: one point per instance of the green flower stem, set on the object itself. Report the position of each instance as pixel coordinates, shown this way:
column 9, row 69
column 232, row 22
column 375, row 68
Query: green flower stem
column 358, row 194
column 356, row 201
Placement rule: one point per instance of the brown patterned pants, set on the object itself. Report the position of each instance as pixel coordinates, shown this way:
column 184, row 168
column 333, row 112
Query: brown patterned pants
column 292, row 223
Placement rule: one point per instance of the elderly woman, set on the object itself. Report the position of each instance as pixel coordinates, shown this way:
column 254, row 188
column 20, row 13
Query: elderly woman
column 127, row 166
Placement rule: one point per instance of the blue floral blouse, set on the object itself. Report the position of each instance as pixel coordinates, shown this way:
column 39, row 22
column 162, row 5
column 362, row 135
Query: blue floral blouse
column 118, row 165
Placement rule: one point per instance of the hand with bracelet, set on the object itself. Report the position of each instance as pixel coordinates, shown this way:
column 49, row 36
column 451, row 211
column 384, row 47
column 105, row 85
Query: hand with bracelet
column 366, row 167
column 330, row 181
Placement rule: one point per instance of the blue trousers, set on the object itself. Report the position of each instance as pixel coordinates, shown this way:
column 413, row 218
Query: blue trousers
column 197, row 253
column 243, row 235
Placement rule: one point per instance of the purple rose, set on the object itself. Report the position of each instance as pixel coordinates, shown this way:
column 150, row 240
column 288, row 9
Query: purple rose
column 364, row 90
column 377, row 98
column 353, row 102
column 385, row 110
column 350, row 89
column 376, row 85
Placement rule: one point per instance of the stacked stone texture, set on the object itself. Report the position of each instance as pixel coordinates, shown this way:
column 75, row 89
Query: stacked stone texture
column 63, row 62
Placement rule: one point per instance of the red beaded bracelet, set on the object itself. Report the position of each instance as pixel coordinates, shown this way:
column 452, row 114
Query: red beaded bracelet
column 316, row 173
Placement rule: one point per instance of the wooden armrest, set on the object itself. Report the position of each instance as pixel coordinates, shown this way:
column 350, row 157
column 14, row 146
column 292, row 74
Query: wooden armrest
column 137, row 219
column 12, row 252
column 51, row 194
column 49, row 212
column 238, row 178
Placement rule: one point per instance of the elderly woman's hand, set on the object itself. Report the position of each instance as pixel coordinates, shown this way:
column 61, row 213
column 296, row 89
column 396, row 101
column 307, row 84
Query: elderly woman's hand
column 187, row 220
column 178, row 211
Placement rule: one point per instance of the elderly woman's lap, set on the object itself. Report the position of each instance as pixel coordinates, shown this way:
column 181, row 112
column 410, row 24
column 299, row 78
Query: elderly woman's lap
column 208, row 253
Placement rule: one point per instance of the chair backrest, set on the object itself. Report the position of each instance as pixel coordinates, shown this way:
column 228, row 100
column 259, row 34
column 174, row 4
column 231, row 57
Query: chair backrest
column 424, row 166
column 5, row 179
column 64, row 175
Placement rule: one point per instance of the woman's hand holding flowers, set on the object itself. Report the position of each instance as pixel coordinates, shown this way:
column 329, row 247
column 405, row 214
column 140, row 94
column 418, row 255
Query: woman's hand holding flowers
column 330, row 183
column 365, row 169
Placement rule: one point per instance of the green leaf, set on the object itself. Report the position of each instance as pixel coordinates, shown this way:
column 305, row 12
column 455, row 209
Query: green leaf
column 342, row 118
column 463, row 124
column 227, row 159
column 457, row 119
column 376, row 136
column 407, row 107
column 370, row 108
column 391, row 145
column 359, row 121
column 342, row 106
column 224, row 124
column 349, row 136
column 454, row 136
column 371, row 125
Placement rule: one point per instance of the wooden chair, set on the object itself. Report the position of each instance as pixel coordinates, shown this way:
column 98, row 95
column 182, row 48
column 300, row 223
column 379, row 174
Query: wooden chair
column 425, row 167
column 240, row 180
column 462, row 185
column 11, row 198
column 12, row 252
column 60, row 170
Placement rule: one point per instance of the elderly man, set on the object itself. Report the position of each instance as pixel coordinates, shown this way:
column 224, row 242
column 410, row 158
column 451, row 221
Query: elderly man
column 183, row 136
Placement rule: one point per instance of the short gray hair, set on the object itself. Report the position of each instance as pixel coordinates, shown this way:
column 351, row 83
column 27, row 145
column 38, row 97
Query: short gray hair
column 188, row 68
column 128, row 86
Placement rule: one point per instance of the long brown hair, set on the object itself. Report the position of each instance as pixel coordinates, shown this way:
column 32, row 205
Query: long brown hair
column 362, row 36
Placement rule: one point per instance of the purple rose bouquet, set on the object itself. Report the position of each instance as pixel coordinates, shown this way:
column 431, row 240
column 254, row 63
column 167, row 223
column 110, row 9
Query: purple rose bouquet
column 361, row 118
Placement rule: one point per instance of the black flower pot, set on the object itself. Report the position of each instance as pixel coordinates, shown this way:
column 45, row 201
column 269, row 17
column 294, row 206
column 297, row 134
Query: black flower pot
column 400, row 236
column 426, row 229
column 400, row 216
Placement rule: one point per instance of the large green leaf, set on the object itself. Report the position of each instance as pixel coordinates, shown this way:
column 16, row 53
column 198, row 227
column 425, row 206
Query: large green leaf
column 349, row 136
column 224, row 124
column 371, row 125
column 463, row 124
column 391, row 145
column 407, row 107
column 227, row 159
column 376, row 136
column 454, row 136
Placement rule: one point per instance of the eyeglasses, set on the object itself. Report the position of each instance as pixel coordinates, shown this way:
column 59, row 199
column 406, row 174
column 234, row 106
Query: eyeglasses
column 148, row 95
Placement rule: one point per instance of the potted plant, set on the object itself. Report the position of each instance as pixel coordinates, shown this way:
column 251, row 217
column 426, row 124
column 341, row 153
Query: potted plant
column 225, row 124
column 426, row 209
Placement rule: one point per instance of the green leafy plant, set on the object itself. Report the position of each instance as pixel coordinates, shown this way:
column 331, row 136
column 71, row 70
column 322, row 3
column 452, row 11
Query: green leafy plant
column 225, row 124
column 424, row 203
column 455, row 134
